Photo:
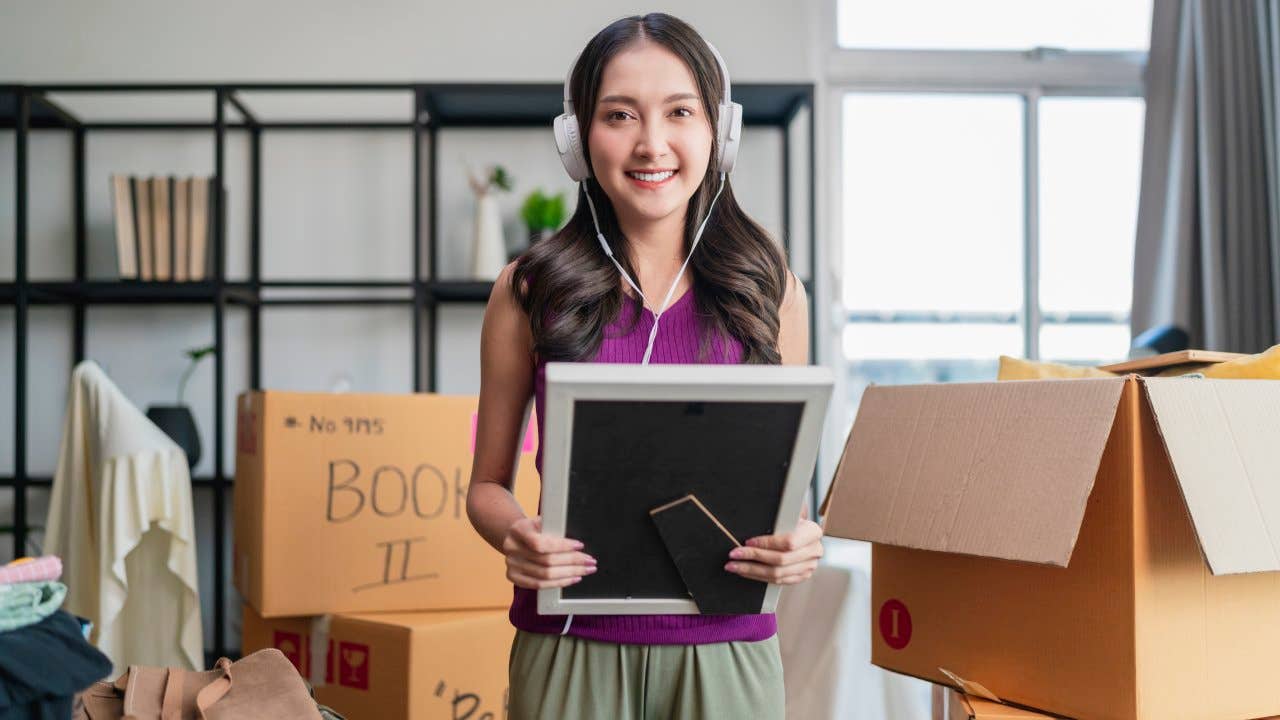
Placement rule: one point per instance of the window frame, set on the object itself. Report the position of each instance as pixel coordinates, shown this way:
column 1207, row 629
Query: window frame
column 1031, row 75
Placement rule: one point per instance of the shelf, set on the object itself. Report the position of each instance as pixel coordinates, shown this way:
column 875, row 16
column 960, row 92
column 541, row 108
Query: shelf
column 536, row 104
column 469, row 291
column 43, row 115
column 444, row 104
column 131, row 292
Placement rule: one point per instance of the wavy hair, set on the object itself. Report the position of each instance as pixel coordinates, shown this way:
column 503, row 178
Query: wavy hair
column 568, row 287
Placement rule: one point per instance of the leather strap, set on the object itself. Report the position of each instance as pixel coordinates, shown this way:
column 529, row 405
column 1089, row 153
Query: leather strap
column 171, row 701
column 216, row 690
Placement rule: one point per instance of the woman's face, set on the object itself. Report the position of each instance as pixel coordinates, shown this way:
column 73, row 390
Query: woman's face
column 650, row 138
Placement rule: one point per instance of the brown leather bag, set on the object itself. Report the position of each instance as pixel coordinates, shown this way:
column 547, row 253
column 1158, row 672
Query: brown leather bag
column 263, row 685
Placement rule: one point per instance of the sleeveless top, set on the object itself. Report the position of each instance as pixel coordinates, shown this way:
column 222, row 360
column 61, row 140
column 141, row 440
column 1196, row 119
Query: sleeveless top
column 678, row 341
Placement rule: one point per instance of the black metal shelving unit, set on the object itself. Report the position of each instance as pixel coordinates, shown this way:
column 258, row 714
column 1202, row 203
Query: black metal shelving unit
column 436, row 107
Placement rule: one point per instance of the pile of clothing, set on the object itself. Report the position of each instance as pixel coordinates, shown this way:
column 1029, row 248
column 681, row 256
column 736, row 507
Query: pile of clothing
column 45, row 656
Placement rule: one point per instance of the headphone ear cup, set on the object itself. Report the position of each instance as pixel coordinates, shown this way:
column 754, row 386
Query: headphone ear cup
column 730, row 134
column 569, row 145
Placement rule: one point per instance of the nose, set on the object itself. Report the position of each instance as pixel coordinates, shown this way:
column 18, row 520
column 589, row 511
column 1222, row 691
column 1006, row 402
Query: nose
column 652, row 142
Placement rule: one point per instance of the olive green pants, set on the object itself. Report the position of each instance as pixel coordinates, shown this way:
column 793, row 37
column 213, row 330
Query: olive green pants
column 561, row 677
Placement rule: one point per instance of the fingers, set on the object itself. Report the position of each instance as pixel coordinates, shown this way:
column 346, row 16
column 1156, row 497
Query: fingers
column 573, row 560
column 806, row 533
column 537, row 561
column 528, row 533
column 539, row 571
column 783, row 559
column 532, row 583
column 778, row 575
column 811, row 551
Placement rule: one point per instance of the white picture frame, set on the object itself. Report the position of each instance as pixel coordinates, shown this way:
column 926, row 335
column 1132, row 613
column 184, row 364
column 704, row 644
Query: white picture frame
column 568, row 383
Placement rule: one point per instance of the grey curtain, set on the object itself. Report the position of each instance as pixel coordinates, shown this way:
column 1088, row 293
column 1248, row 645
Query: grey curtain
column 1207, row 256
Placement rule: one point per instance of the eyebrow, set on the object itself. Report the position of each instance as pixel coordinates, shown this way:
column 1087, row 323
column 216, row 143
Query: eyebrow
column 632, row 101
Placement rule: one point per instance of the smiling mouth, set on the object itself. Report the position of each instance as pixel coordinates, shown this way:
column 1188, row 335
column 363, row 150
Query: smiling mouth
column 651, row 179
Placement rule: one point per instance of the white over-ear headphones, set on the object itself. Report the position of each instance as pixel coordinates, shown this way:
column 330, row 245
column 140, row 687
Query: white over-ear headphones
column 569, row 136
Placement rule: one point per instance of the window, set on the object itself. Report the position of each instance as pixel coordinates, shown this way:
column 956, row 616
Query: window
column 988, row 173
column 994, row 24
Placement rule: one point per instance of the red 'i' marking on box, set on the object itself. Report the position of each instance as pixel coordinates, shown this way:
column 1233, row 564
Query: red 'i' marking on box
column 895, row 624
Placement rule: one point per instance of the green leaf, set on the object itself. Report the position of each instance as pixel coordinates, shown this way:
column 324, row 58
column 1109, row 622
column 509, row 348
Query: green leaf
column 531, row 210
column 500, row 178
column 553, row 212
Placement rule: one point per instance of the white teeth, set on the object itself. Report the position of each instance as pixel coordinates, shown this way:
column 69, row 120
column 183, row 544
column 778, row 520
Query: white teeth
column 652, row 177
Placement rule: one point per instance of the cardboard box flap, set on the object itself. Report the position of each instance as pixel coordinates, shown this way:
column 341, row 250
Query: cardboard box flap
column 1223, row 440
column 993, row 469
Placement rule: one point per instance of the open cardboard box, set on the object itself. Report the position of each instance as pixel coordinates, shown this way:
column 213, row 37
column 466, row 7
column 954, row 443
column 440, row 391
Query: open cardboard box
column 1104, row 548
column 951, row 704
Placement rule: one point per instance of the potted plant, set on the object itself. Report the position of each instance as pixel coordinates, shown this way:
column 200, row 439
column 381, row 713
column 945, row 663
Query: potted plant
column 542, row 214
column 176, row 420
column 488, row 249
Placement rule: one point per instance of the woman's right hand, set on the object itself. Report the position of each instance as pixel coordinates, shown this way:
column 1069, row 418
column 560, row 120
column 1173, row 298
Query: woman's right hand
column 536, row 561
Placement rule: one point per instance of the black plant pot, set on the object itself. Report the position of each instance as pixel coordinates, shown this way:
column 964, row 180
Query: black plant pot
column 176, row 422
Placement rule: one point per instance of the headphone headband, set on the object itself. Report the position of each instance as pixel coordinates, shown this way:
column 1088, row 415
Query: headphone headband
column 724, row 76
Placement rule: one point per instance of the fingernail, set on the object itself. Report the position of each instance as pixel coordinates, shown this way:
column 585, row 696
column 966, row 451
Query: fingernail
column 577, row 545
column 591, row 570
column 591, row 560
column 736, row 553
column 731, row 567
column 577, row 579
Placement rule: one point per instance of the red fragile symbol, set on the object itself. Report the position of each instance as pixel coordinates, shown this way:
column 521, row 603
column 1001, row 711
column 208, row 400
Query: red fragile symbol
column 895, row 624
column 290, row 645
column 353, row 665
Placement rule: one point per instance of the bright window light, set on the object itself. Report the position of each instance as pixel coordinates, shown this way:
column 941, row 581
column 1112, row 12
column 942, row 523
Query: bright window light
column 994, row 24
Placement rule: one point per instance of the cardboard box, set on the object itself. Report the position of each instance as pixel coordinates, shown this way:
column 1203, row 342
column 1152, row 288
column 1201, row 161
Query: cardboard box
column 956, row 705
column 450, row 665
column 349, row 503
column 968, row 707
column 1103, row 548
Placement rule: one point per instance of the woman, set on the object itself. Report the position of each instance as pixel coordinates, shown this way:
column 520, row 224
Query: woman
column 646, row 138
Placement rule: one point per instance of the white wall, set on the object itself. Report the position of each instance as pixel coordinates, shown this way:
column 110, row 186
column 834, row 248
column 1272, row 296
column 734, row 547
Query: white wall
column 65, row 40
column 336, row 204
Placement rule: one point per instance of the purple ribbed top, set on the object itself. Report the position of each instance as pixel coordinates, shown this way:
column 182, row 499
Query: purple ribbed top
column 678, row 341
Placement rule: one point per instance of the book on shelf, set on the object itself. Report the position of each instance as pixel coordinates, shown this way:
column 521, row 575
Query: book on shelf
column 126, row 234
column 164, row 226
column 142, row 220
column 181, row 229
column 199, row 227
column 161, row 230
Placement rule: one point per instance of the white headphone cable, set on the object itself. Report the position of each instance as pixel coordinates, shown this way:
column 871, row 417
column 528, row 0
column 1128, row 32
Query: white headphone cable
column 653, row 332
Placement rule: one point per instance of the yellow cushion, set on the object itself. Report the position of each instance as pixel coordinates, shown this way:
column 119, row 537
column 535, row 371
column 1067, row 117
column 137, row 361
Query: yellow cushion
column 1263, row 366
column 1012, row 368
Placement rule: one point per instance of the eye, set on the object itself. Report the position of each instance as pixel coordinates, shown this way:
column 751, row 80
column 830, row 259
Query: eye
column 612, row 115
column 689, row 113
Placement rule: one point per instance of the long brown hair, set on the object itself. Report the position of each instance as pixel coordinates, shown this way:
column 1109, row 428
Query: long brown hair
column 569, row 288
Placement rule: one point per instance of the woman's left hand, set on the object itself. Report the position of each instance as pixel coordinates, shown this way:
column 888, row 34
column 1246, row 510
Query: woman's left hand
column 781, row 559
